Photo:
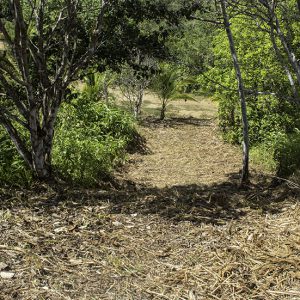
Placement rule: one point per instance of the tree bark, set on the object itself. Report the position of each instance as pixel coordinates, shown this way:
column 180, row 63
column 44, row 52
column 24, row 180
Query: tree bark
column 241, row 90
column 37, row 136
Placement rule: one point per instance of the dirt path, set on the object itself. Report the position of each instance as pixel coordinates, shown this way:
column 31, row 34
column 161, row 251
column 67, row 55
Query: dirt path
column 185, row 150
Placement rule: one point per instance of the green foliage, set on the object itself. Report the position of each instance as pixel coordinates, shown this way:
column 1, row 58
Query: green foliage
column 96, row 86
column 287, row 154
column 265, row 82
column 169, row 85
column 190, row 45
column 93, row 86
column 13, row 170
column 272, row 115
column 165, row 84
column 90, row 140
column 279, row 154
column 262, row 155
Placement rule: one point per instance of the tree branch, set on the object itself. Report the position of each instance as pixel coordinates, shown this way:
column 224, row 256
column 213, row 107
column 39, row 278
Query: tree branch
column 20, row 145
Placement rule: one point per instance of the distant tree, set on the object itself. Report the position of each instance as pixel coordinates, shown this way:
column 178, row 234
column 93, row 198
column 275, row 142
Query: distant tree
column 167, row 84
column 133, row 80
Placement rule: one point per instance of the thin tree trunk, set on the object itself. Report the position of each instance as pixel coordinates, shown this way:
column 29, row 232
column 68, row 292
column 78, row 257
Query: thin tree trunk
column 105, row 90
column 291, row 56
column 163, row 110
column 241, row 90
column 139, row 102
column 281, row 60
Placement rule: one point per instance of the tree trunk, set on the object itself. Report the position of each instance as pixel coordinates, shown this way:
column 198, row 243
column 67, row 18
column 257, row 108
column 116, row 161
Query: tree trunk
column 281, row 60
column 41, row 165
column 241, row 90
column 41, row 138
column 139, row 102
column 163, row 111
column 136, row 111
column 105, row 90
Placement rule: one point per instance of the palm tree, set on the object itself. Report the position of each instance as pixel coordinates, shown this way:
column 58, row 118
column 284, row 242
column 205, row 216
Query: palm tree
column 168, row 85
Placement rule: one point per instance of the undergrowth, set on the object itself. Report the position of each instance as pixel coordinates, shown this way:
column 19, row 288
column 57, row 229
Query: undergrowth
column 279, row 155
column 90, row 140
column 12, row 168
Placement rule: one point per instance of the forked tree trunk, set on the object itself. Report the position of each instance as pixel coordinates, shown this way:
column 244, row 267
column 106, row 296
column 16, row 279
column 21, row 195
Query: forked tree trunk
column 241, row 90
column 41, row 145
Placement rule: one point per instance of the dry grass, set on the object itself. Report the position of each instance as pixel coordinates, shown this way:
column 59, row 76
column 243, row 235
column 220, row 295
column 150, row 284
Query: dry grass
column 178, row 243
column 183, row 151
column 201, row 108
column 183, row 230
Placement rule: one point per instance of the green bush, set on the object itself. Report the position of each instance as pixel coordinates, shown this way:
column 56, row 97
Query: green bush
column 279, row 154
column 262, row 155
column 13, row 170
column 90, row 140
column 287, row 154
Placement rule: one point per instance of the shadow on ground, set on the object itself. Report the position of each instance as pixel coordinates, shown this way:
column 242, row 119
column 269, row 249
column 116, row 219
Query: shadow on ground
column 152, row 122
column 214, row 204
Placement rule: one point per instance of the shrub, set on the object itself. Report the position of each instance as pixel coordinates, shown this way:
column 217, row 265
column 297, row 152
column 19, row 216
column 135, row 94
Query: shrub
column 13, row 170
column 287, row 154
column 90, row 140
column 262, row 155
column 279, row 154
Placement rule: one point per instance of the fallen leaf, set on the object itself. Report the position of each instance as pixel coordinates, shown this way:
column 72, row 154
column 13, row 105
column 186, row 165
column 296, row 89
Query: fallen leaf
column 75, row 261
column 7, row 275
column 117, row 223
column 3, row 266
column 60, row 229
column 129, row 226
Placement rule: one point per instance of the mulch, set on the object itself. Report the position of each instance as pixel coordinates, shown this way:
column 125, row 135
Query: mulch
column 155, row 237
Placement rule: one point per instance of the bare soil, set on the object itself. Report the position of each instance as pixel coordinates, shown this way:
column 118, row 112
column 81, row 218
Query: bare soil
column 175, row 225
